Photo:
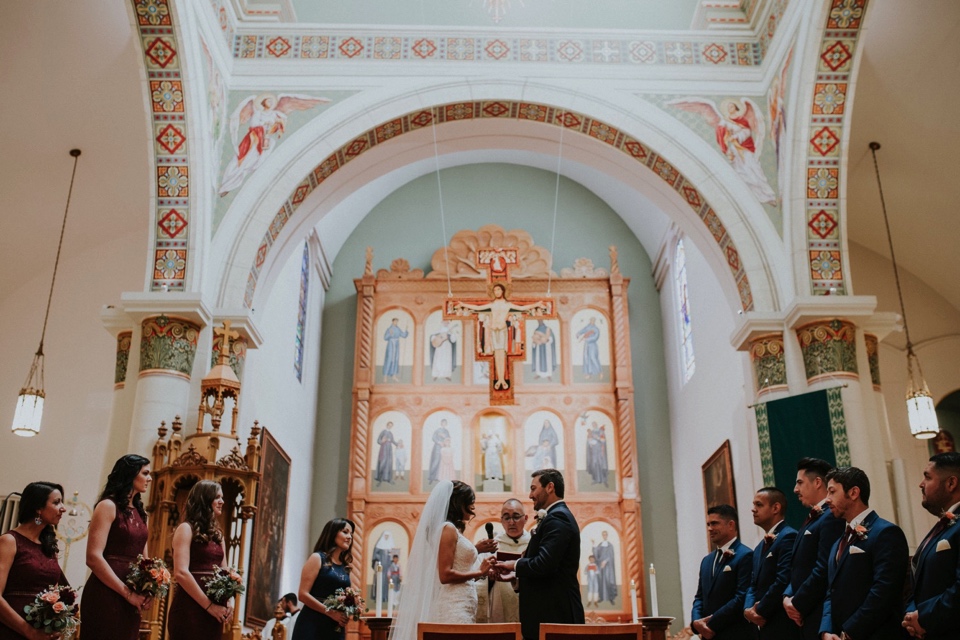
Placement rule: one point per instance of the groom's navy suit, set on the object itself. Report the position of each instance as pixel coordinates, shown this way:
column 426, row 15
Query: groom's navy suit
column 547, row 573
column 814, row 541
column 771, row 573
column 936, row 582
column 722, row 592
column 865, row 586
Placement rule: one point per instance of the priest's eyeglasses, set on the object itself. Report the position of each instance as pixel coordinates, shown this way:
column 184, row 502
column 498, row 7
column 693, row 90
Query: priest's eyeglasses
column 509, row 518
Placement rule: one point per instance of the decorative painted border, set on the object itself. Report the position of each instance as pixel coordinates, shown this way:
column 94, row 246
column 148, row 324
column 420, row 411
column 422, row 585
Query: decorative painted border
column 838, row 423
column 823, row 166
column 124, row 340
column 515, row 110
column 172, row 175
column 769, row 366
column 873, row 358
column 766, row 450
column 168, row 344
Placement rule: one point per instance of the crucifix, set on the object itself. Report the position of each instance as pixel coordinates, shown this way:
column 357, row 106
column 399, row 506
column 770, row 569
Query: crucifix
column 500, row 334
column 226, row 335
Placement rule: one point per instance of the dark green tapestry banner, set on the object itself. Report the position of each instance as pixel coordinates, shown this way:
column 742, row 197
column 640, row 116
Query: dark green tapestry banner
column 808, row 425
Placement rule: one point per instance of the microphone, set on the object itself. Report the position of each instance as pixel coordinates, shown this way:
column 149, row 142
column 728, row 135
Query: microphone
column 489, row 528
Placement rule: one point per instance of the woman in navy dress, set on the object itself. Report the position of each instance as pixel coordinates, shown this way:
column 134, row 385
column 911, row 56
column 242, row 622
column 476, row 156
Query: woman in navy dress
column 197, row 549
column 28, row 559
column 327, row 570
column 118, row 534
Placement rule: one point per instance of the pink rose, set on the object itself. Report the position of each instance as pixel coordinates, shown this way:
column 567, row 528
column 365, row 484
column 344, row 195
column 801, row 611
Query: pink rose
column 51, row 596
column 58, row 607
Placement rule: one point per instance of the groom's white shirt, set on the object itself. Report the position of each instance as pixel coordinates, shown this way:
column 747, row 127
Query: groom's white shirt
column 550, row 508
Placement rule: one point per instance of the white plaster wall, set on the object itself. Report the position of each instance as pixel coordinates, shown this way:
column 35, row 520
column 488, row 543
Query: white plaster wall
column 935, row 331
column 80, row 360
column 710, row 408
column 287, row 407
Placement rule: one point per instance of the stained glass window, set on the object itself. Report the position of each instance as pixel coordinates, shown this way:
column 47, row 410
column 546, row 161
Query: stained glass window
column 683, row 315
column 302, row 311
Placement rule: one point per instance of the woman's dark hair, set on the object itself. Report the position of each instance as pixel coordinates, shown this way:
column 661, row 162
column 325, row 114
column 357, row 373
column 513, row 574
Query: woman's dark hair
column 460, row 500
column 199, row 511
column 327, row 542
column 33, row 499
column 120, row 484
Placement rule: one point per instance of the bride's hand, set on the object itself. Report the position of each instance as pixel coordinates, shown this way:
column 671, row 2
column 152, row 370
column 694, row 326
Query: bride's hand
column 486, row 565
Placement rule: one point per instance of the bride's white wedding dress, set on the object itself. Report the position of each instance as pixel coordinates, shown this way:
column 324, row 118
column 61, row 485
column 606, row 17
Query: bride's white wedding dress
column 457, row 602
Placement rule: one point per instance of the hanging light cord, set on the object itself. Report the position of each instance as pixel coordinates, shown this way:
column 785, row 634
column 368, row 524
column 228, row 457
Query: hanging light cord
column 893, row 258
column 76, row 157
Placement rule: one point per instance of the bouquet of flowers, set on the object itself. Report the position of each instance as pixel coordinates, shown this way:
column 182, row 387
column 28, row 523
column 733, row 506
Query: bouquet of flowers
column 54, row 610
column 349, row 601
column 149, row 577
column 223, row 585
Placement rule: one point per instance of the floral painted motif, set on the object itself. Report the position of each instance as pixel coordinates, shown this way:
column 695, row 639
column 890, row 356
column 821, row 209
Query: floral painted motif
column 769, row 366
column 873, row 358
column 846, row 14
column 167, row 96
column 825, row 265
column 829, row 98
column 170, row 264
column 822, row 183
column 153, row 12
column 168, row 344
column 123, row 356
column 829, row 349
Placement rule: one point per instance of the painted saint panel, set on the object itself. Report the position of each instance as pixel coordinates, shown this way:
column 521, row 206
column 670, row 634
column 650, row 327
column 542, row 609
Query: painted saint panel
column 543, row 352
column 493, row 466
column 394, row 347
column 390, row 453
column 590, row 346
column 442, row 350
column 388, row 544
column 442, row 457
column 600, row 571
column 596, row 452
column 543, row 441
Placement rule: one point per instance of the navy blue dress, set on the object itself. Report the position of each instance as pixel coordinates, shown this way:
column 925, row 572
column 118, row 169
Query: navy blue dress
column 311, row 624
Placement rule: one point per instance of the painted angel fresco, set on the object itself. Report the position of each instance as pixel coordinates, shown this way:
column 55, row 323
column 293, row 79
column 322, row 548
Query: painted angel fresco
column 777, row 110
column 740, row 129
column 266, row 118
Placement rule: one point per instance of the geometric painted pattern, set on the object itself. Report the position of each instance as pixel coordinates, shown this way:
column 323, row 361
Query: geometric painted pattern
column 343, row 45
column 302, row 312
column 577, row 123
column 763, row 437
column 827, row 119
column 166, row 96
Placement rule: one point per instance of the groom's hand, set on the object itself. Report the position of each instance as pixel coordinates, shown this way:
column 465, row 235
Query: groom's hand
column 506, row 566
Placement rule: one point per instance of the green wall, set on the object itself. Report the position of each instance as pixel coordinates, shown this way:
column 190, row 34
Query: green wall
column 407, row 224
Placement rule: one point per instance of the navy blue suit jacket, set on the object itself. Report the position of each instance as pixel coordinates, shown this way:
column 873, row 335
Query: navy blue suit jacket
column 547, row 572
column 812, row 546
column 936, row 585
column 723, row 594
column 771, row 573
column 865, row 588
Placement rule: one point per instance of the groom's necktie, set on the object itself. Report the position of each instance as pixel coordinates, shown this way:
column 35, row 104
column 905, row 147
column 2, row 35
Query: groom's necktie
column 716, row 560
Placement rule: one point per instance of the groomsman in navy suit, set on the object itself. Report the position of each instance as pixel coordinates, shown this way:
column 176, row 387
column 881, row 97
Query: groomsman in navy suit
column 821, row 529
column 934, row 610
column 771, row 568
column 866, row 569
column 724, row 580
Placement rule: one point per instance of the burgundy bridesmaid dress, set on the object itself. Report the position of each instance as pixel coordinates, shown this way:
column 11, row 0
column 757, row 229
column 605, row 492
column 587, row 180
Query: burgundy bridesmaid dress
column 106, row 614
column 187, row 619
column 32, row 572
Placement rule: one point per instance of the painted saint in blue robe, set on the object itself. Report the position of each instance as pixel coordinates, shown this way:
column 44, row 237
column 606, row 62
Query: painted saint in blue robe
column 548, row 436
column 384, row 471
column 544, row 351
column 439, row 436
column 391, row 359
column 590, row 336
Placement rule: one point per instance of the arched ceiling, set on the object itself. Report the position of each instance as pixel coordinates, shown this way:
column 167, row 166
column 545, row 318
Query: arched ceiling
column 71, row 77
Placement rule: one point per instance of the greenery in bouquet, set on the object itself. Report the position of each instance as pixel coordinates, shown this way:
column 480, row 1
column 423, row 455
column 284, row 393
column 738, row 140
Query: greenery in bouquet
column 149, row 577
column 223, row 585
column 53, row 610
column 348, row 601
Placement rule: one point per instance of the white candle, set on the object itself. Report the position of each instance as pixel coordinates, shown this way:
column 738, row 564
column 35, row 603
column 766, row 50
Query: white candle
column 390, row 600
column 633, row 599
column 653, row 591
column 379, row 589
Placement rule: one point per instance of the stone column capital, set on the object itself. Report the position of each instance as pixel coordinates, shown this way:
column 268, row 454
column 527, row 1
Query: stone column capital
column 186, row 305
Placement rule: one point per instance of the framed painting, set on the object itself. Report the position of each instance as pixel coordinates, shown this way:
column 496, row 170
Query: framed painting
column 266, row 558
column 718, row 487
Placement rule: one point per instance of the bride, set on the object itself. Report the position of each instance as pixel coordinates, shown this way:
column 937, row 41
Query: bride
column 442, row 565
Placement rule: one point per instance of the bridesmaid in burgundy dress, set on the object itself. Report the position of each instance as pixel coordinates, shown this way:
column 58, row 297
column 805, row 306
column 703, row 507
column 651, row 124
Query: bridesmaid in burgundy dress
column 28, row 559
column 118, row 533
column 197, row 548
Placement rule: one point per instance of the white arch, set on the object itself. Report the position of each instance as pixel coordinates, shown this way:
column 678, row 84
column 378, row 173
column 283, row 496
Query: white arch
column 642, row 199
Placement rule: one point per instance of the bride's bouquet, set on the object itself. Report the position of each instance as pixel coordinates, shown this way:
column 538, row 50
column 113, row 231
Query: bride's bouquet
column 54, row 610
column 223, row 585
column 149, row 577
column 349, row 601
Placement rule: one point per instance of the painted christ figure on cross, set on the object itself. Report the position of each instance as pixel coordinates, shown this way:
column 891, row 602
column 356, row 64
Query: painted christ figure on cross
column 500, row 321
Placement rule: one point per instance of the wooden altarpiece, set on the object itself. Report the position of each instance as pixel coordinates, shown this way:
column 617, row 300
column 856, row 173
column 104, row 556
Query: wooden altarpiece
column 460, row 289
column 179, row 462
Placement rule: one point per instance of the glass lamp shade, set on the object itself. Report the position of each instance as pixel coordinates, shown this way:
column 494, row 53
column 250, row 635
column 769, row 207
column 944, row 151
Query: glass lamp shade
column 29, row 413
column 922, row 415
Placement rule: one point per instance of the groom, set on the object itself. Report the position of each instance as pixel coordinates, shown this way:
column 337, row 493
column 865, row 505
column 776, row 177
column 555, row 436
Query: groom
column 547, row 572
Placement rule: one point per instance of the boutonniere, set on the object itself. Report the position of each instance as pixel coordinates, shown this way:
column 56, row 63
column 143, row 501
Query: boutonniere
column 950, row 518
column 816, row 511
column 860, row 532
column 728, row 554
column 769, row 538
column 537, row 519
